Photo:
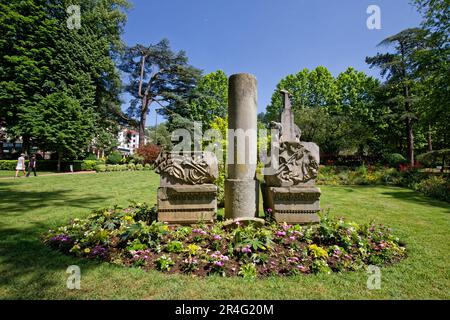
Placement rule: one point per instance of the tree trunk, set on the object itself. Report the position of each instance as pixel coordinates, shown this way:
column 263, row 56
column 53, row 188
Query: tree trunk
column 142, row 129
column 58, row 166
column 430, row 140
column 26, row 144
column 409, row 127
column 143, row 120
column 410, row 141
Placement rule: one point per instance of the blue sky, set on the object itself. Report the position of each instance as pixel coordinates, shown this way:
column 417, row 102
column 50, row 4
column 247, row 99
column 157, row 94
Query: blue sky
column 268, row 38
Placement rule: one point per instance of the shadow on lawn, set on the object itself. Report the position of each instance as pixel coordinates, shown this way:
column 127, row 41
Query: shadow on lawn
column 15, row 201
column 30, row 269
column 414, row 196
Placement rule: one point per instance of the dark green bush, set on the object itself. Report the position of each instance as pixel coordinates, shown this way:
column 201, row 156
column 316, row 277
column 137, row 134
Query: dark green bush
column 114, row 157
column 394, row 159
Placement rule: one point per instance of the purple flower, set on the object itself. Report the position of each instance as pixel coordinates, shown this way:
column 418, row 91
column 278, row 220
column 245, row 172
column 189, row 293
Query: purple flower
column 246, row 249
column 217, row 237
column 286, row 227
column 219, row 263
column 292, row 259
column 61, row 238
column 199, row 231
column 280, row 233
column 301, row 268
column 292, row 238
column 269, row 210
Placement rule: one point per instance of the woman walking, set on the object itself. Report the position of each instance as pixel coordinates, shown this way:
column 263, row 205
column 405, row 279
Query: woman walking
column 20, row 164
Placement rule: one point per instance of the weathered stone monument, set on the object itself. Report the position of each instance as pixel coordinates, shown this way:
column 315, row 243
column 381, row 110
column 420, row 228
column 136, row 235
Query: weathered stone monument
column 187, row 194
column 289, row 190
column 241, row 185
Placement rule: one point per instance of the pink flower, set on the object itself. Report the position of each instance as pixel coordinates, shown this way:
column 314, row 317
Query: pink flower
column 280, row 233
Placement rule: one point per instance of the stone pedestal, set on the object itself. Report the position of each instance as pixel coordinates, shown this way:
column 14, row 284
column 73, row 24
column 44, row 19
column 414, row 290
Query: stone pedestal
column 187, row 204
column 187, row 194
column 289, row 189
column 295, row 204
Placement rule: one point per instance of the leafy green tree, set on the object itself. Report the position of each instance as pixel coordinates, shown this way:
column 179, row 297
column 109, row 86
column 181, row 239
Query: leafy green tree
column 156, row 75
column 399, row 68
column 309, row 89
column 159, row 135
column 61, row 124
column 210, row 98
column 337, row 113
column 40, row 56
column 433, row 72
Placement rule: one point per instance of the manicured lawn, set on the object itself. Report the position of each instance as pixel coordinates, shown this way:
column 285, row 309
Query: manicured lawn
column 29, row 270
column 8, row 173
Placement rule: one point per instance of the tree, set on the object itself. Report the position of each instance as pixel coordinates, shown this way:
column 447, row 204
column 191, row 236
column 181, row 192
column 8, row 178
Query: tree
column 433, row 71
column 40, row 56
column 156, row 74
column 309, row 89
column 61, row 124
column 337, row 113
column 159, row 135
column 209, row 99
column 399, row 69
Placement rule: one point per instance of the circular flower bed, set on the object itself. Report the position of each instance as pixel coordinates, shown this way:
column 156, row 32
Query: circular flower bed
column 131, row 237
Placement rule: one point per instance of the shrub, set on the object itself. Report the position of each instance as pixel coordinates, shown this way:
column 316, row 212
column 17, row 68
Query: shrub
column 114, row 157
column 139, row 166
column 394, row 159
column 436, row 187
column 88, row 165
column 90, row 156
column 147, row 166
column 149, row 152
column 100, row 168
column 131, row 166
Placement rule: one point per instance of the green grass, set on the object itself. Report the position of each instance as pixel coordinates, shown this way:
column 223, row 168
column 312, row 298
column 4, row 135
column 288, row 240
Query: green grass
column 11, row 174
column 29, row 270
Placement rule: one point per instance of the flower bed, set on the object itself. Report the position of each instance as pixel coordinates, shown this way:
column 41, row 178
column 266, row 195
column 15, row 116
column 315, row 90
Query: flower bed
column 131, row 237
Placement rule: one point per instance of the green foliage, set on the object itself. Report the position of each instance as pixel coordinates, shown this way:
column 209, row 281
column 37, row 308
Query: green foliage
column 114, row 157
column 435, row 187
column 339, row 114
column 131, row 236
column 164, row 263
column 248, row 270
column 71, row 71
column 210, row 99
column 434, row 158
column 174, row 246
column 394, row 159
column 89, row 165
column 166, row 77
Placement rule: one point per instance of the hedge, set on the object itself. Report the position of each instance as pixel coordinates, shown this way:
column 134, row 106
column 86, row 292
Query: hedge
column 51, row 165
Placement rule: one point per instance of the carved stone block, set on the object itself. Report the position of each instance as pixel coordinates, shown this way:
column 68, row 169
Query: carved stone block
column 295, row 205
column 187, row 204
column 186, row 194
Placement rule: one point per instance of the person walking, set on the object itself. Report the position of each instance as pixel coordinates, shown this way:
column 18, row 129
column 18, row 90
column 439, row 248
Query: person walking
column 20, row 164
column 32, row 165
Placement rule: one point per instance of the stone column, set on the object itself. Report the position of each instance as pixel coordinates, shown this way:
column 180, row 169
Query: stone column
column 241, row 186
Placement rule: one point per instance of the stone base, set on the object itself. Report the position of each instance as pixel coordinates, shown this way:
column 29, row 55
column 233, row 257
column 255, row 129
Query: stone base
column 187, row 204
column 294, row 205
column 241, row 198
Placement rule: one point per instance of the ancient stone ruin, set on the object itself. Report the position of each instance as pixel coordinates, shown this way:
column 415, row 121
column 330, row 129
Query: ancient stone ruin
column 187, row 193
column 289, row 192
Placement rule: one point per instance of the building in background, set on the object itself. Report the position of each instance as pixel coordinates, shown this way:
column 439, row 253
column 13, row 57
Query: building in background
column 128, row 141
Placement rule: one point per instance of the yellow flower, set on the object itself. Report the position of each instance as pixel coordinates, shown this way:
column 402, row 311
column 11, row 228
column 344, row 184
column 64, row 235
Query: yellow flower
column 87, row 250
